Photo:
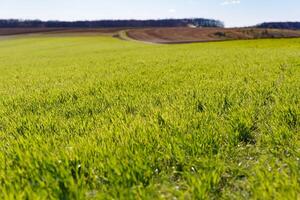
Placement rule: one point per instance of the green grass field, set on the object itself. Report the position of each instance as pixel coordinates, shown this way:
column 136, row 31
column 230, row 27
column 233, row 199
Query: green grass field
column 100, row 118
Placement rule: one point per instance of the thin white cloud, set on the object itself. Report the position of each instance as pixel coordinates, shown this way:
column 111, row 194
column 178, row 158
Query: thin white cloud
column 172, row 10
column 230, row 2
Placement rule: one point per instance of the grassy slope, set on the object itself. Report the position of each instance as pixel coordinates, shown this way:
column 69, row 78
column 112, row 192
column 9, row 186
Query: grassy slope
column 85, row 117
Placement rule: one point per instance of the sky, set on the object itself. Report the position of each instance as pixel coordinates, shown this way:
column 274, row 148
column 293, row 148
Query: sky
column 232, row 12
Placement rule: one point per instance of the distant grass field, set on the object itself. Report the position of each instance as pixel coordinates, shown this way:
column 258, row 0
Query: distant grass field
column 99, row 118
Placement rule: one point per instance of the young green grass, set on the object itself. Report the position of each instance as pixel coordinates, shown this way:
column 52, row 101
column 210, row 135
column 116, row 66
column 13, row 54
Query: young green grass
column 99, row 118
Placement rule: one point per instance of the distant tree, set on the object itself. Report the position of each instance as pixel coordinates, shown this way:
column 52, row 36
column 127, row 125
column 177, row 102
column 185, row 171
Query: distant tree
column 199, row 22
column 280, row 25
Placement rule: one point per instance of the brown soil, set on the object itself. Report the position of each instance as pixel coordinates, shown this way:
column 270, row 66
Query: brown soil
column 188, row 35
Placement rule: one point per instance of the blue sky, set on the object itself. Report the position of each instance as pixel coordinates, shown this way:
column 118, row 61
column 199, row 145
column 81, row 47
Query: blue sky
column 232, row 12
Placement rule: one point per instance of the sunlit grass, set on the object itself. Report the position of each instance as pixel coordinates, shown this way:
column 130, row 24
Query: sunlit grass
column 95, row 117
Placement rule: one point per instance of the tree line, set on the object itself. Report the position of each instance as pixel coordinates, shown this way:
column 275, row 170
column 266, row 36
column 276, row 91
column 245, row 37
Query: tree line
column 199, row 22
column 280, row 25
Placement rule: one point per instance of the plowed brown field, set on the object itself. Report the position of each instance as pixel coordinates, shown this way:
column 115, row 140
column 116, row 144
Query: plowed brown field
column 188, row 35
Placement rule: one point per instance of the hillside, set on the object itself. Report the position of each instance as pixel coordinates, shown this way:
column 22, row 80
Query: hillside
column 58, row 31
column 187, row 35
column 162, row 35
